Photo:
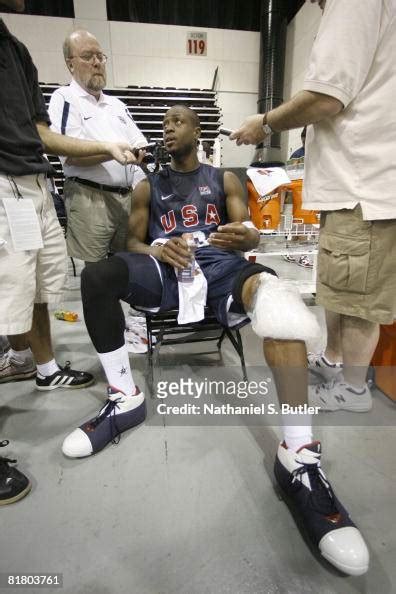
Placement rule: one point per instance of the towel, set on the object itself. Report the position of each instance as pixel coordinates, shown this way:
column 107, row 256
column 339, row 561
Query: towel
column 192, row 296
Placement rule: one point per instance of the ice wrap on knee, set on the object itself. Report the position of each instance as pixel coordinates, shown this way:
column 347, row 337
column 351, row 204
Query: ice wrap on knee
column 280, row 313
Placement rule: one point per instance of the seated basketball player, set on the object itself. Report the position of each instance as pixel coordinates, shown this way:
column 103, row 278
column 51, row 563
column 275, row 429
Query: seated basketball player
column 187, row 197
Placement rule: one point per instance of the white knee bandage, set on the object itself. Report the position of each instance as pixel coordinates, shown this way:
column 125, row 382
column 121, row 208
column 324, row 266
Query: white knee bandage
column 279, row 312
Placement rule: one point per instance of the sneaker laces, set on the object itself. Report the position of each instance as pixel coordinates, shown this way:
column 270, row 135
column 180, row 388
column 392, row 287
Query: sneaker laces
column 5, row 461
column 314, row 357
column 321, row 495
column 4, row 360
column 71, row 372
column 325, row 385
column 109, row 410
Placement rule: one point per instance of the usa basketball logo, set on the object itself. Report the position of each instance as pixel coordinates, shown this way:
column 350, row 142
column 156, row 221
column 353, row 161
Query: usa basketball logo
column 204, row 190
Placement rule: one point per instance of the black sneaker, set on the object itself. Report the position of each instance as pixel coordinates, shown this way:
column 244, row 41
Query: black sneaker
column 117, row 415
column 13, row 484
column 317, row 510
column 64, row 378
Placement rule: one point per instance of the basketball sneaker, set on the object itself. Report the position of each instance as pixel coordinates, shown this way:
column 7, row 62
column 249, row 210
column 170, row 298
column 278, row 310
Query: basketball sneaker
column 117, row 415
column 316, row 509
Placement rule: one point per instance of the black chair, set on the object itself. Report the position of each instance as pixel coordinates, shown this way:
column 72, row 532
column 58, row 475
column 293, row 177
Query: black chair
column 163, row 324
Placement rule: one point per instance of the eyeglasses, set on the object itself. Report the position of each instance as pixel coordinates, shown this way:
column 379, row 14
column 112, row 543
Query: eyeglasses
column 90, row 57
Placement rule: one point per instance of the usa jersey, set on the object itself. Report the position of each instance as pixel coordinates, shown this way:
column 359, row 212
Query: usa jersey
column 184, row 202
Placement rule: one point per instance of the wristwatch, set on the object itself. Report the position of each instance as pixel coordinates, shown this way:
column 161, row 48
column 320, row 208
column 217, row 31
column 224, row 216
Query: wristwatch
column 266, row 127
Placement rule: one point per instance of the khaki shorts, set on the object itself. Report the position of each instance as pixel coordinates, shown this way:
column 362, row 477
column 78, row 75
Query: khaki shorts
column 357, row 266
column 97, row 221
column 34, row 276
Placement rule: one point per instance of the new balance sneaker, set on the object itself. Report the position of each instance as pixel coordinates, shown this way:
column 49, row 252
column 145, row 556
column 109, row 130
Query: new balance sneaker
column 338, row 395
column 64, row 378
column 318, row 364
column 316, row 509
column 118, row 415
column 13, row 484
column 12, row 370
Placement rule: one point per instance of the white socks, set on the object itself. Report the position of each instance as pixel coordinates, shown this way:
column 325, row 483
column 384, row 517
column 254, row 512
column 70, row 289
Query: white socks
column 118, row 370
column 46, row 369
column 21, row 356
column 300, row 433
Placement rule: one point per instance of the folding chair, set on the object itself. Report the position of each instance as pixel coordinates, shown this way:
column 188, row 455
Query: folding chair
column 161, row 325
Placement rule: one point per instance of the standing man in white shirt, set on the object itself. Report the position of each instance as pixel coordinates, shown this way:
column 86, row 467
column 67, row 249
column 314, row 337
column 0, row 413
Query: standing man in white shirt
column 97, row 190
column 350, row 176
column 348, row 102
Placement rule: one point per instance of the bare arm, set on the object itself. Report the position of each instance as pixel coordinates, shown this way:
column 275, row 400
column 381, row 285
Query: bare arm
column 234, row 235
column 138, row 221
column 306, row 107
column 132, row 157
column 88, row 161
column 58, row 144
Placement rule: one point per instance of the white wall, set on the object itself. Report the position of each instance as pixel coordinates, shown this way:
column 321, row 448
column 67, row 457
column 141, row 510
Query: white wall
column 155, row 55
column 301, row 33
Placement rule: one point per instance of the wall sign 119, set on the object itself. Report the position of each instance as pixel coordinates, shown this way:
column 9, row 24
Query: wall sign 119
column 196, row 43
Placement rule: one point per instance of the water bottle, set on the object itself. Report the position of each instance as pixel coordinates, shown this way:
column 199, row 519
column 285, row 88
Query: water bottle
column 186, row 275
column 201, row 153
column 217, row 153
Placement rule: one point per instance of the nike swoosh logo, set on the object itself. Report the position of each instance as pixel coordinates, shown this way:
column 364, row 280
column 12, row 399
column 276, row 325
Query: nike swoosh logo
column 166, row 197
column 88, row 118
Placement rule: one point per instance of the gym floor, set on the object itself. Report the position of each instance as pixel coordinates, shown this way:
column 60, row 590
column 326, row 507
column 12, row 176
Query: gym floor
column 180, row 510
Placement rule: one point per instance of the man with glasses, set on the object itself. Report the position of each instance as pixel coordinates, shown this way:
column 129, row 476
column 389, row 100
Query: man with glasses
column 97, row 189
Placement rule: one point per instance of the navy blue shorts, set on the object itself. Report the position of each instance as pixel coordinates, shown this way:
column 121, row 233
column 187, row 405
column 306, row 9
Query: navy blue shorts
column 153, row 284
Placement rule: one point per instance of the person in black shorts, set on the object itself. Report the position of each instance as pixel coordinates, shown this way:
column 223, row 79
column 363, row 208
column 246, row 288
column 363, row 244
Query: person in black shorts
column 191, row 198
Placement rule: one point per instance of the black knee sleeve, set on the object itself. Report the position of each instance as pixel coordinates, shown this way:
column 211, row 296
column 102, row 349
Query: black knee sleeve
column 107, row 277
column 244, row 274
column 103, row 284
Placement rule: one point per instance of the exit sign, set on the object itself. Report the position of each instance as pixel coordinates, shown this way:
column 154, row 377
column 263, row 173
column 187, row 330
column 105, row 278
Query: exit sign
column 196, row 43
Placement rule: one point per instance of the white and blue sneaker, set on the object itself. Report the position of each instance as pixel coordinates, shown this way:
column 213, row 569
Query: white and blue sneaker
column 117, row 415
column 339, row 395
column 316, row 509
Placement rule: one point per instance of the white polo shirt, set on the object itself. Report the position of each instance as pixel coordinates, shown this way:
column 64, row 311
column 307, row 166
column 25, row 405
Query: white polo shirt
column 351, row 158
column 76, row 113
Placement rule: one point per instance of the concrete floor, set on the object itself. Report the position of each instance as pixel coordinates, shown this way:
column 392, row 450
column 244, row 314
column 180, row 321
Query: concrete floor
column 180, row 510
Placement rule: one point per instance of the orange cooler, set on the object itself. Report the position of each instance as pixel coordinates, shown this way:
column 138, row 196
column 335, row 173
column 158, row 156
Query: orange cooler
column 308, row 217
column 265, row 211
